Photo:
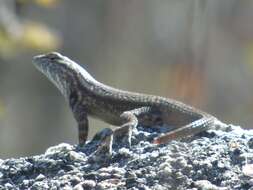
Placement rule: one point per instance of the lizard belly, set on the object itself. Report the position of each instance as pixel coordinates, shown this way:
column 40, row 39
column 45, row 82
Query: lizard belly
column 107, row 116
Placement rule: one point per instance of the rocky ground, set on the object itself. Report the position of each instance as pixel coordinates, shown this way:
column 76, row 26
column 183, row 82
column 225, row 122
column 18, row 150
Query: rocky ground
column 217, row 160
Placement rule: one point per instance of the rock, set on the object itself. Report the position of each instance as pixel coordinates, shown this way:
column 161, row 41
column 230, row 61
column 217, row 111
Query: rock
column 213, row 160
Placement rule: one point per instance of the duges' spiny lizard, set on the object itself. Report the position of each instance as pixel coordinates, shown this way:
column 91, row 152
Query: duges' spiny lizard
column 88, row 97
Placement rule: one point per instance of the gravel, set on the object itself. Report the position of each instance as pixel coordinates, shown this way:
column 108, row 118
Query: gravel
column 213, row 160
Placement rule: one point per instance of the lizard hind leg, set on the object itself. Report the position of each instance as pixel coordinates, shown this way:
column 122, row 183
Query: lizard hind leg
column 123, row 133
column 130, row 121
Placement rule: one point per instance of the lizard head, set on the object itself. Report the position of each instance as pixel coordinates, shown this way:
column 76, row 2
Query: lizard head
column 63, row 72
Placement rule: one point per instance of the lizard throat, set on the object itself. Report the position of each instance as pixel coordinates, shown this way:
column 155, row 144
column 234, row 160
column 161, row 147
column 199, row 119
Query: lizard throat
column 59, row 83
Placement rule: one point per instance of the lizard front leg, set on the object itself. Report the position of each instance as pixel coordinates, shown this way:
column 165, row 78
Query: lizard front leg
column 81, row 117
column 83, row 129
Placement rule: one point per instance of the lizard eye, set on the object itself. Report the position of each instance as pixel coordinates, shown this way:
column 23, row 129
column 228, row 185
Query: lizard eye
column 53, row 56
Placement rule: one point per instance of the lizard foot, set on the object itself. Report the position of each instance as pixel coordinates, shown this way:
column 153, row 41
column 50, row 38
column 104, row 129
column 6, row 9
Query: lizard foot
column 122, row 135
column 105, row 145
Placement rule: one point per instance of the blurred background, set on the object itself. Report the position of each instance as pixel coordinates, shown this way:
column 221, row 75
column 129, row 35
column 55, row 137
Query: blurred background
column 196, row 51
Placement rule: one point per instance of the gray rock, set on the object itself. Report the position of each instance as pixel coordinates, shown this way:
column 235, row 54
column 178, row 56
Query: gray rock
column 213, row 160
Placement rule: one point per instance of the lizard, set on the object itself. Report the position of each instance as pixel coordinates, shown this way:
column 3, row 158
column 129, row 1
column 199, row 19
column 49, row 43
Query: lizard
column 88, row 97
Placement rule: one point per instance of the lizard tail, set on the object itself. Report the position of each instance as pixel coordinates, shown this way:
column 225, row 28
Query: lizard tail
column 193, row 128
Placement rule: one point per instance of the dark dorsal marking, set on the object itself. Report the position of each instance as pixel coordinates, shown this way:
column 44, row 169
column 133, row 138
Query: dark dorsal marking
column 73, row 99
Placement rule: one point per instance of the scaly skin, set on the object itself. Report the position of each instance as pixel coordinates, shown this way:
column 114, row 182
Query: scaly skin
column 88, row 97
